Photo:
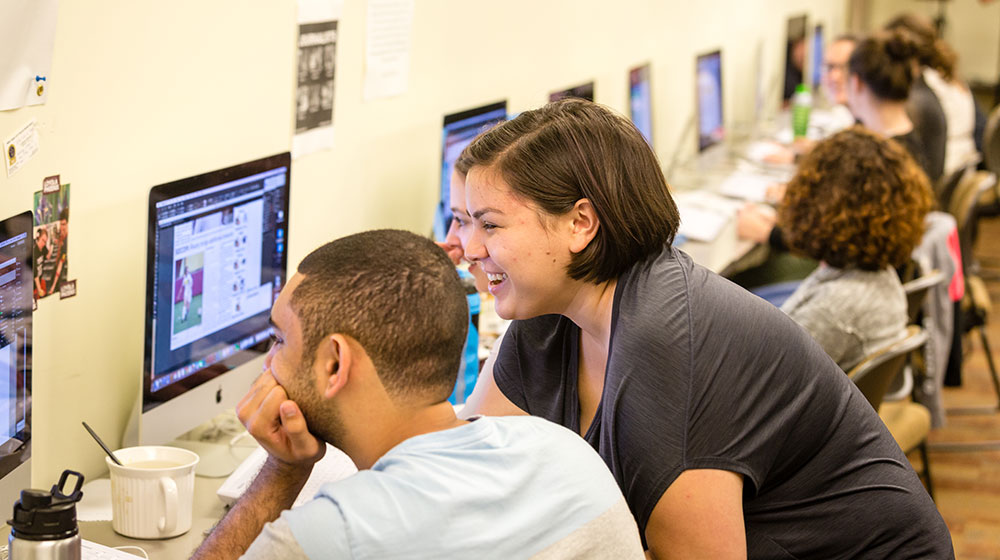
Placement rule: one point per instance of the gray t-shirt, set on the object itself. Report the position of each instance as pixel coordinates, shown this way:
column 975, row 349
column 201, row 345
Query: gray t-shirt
column 702, row 374
column 850, row 312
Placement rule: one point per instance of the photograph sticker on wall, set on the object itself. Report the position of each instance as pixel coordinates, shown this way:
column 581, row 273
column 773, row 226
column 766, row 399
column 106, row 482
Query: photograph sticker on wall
column 67, row 290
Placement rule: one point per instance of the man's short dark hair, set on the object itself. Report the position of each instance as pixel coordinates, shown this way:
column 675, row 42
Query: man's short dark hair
column 399, row 296
column 573, row 149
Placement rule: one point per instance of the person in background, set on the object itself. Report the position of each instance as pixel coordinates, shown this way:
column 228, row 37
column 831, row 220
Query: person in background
column 881, row 74
column 856, row 205
column 757, row 223
column 921, row 104
column 728, row 428
column 452, row 244
column 937, row 63
column 368, row 337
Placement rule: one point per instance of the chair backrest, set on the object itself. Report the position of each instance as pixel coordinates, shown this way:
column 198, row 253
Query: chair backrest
column 944, row 189
column 991, row 141
column 876, row 372
column 916, row 292
column 963, row 208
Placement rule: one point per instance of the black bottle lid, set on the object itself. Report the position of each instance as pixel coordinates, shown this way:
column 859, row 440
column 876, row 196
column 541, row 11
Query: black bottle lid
column 47, row 515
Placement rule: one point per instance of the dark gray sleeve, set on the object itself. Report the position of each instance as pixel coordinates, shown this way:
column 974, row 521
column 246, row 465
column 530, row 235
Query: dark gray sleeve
column 506, row 369
column 924, row 109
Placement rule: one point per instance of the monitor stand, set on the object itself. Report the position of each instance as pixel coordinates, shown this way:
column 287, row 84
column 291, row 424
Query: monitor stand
column 221, row 444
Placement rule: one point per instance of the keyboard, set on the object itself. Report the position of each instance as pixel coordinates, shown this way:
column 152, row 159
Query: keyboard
column 334, row 465
column 89, row 550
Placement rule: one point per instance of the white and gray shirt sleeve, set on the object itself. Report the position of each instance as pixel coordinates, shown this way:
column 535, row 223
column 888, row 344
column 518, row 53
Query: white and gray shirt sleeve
column 275, row 541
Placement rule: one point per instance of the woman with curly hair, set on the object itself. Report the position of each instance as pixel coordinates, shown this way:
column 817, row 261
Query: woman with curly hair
column 857, row 205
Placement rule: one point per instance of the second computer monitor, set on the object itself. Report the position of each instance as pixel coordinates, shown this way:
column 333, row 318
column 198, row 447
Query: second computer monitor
column 458, row 131
column 817, row 56
column 708, row 79
column 582, row 91
column 640, row 101
column 795, row 56
column 216, row 262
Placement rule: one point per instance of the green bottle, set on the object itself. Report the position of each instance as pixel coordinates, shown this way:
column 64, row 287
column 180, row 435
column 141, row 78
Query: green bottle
column 801, row 105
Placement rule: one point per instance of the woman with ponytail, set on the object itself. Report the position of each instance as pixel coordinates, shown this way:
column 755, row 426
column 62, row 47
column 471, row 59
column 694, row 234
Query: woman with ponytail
column 882, row 72
column 937, row 62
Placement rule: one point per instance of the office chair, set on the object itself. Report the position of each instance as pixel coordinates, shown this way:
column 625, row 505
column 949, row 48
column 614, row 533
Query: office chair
column 915, row 372
column 916, row 292
column 907, row 421
column 944, row 189
column 976, row 304
column 990, row 204
column 991, row 141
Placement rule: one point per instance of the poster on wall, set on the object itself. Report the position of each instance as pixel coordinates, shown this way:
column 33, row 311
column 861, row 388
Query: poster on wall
column 51, row 236
column 27, row 35
column 388, row 36
column 317, row 65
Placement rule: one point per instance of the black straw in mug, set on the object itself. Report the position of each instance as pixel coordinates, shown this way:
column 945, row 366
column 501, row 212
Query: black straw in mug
column 101, row 443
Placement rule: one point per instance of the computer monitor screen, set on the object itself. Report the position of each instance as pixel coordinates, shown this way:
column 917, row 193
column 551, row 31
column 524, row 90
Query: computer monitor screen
column 582, row 91
column 795, row 55
column 817, row 57
column 708, row 78
column 16, row 280
column 640, row 101
column 458, row 131
column 216, row 263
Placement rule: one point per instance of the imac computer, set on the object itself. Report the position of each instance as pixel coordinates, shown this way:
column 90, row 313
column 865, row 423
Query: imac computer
column 795, row 56
column 641, row 101
column 458, row 131
column 817, row 57
column 582, row 91
column 16, row 282
column 708, row 80
column 216, row 261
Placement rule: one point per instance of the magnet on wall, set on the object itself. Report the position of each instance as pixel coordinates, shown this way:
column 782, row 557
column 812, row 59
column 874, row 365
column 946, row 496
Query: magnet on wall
column 68, row 289
column 50, row 184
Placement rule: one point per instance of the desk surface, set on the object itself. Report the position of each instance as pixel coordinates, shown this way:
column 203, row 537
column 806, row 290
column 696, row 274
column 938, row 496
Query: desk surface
column 208, row 509
column 726, row 253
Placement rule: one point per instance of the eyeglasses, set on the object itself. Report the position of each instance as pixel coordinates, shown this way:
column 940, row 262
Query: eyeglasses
column 831, row 67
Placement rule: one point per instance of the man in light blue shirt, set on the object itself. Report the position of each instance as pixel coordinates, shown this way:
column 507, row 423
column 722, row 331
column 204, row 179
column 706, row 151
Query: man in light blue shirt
column 368, row 339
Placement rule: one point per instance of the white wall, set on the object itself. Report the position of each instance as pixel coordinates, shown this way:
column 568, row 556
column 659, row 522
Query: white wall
column 142, row 93
column 972, row 29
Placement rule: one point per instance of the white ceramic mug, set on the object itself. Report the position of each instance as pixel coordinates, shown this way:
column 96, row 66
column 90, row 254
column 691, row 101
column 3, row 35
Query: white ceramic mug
column 152, row 491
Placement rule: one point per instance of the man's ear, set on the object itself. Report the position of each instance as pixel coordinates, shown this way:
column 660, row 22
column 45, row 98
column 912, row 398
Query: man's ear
column 584, row 225
column 334, row 359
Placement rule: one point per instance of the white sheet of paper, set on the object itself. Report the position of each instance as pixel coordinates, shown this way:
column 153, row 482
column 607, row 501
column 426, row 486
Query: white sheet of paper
column 747, row 186
column 704, row 214
column 387, row 47
column 320, row 137
column 20, row 148
column 27, row 34
column 700, row 224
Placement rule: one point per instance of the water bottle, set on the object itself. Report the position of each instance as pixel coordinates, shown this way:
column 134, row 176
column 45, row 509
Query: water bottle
column 469, row 370
column 44, row 524
column 801, row 105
